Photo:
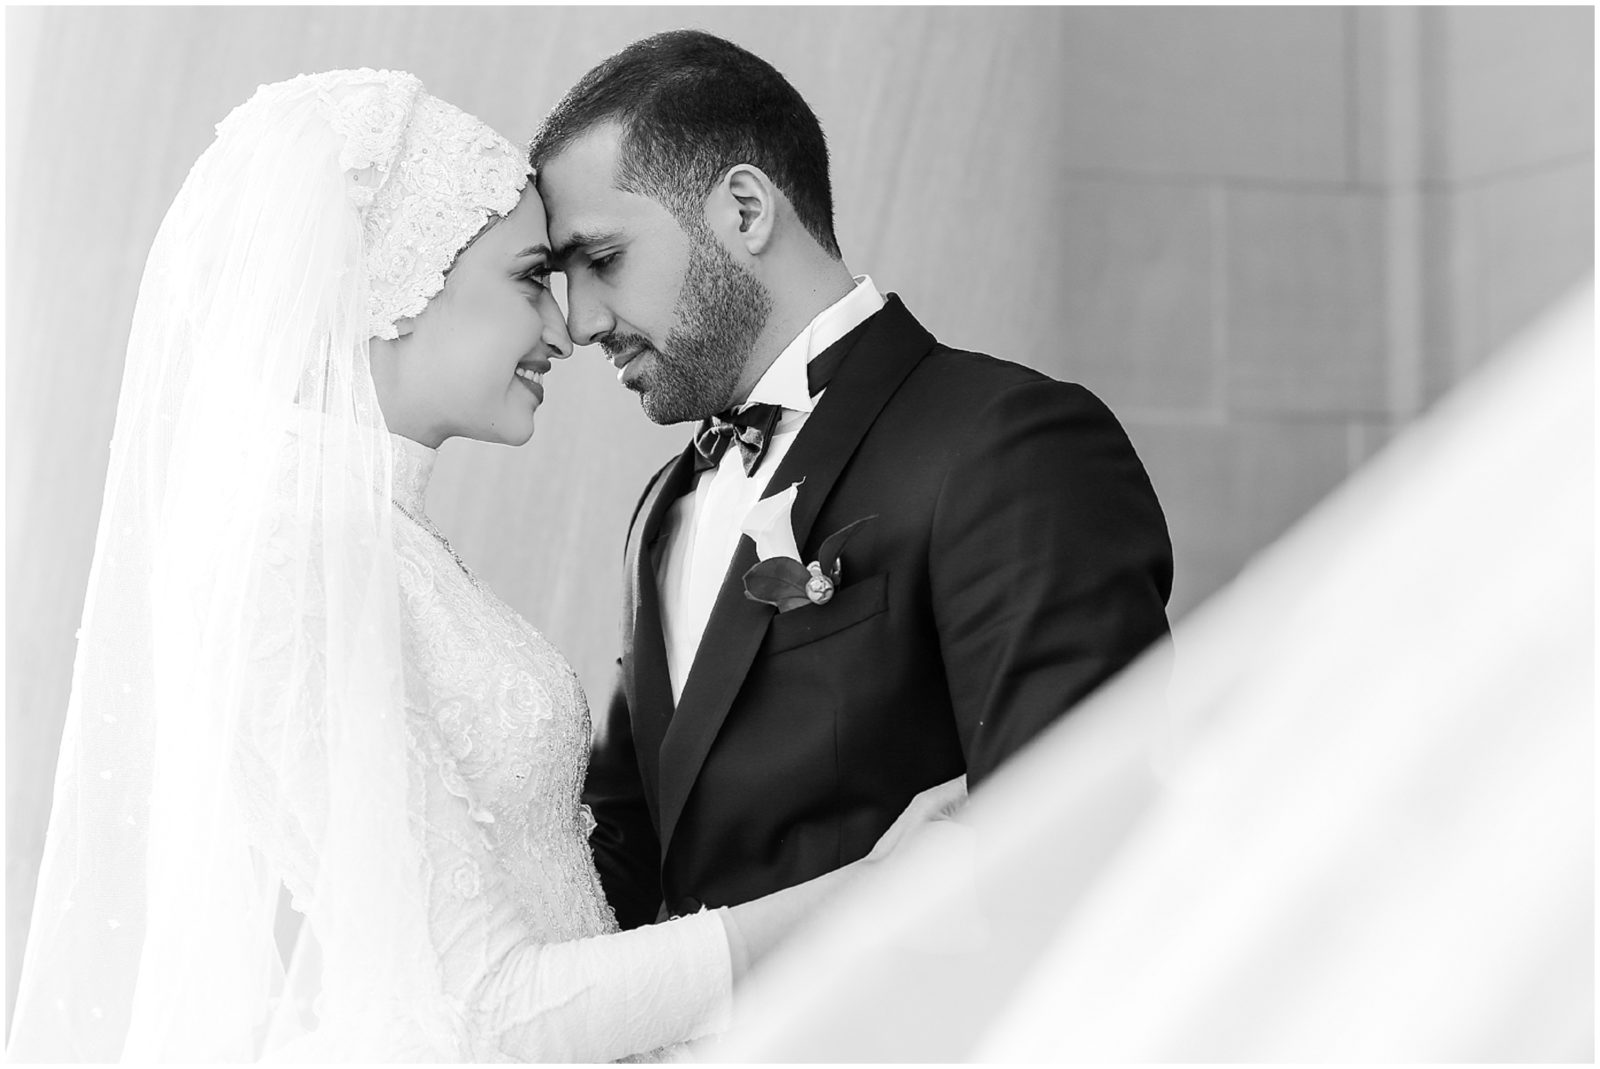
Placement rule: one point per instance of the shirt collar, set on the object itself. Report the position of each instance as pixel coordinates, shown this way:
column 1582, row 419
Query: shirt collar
column 785, row 381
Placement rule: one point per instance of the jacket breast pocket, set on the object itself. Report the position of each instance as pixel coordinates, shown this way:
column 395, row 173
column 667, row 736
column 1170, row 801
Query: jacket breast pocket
column 850, row 605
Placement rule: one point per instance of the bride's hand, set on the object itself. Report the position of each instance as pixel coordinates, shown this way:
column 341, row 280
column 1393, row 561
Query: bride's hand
column 935, row 803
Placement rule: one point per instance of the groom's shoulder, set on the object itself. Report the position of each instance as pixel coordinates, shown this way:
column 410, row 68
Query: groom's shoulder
column 964, row 395
column 971, row 381
column 975, row 371
column 968, row 374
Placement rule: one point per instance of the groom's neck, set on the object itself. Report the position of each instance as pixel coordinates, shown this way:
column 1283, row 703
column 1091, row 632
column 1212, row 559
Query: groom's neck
column 801, row 289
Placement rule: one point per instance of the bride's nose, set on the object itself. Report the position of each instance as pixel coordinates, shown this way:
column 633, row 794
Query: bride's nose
column 556, row 338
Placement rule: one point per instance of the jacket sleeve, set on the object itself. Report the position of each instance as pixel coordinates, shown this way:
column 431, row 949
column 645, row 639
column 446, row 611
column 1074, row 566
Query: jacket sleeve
column 1050, row 564
column 626, row 850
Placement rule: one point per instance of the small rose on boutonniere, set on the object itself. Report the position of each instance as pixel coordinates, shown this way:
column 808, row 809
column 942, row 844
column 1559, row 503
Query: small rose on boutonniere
column 778, row 578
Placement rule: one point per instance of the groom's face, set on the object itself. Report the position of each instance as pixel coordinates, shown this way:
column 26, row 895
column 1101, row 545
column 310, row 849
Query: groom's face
column 675, row 314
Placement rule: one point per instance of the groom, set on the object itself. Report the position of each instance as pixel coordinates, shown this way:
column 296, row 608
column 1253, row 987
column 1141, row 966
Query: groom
column 1013, row 557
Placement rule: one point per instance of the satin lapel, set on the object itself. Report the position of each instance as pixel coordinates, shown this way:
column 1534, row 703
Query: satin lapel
column 885, row 352
column 649, row 685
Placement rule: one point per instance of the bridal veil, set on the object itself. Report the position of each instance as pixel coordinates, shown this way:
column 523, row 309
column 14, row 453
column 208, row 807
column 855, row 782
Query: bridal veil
column 1358, row 827
column 236, row 693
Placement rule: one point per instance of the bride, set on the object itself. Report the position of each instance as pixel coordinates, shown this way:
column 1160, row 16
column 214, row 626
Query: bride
column 318, row 795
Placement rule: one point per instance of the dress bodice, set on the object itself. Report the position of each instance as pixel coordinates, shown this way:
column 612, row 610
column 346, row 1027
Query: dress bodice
column 504, row 717
column 520, row 959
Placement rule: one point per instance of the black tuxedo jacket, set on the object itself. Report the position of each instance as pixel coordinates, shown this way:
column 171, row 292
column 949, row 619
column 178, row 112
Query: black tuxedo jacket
column 1019, row 558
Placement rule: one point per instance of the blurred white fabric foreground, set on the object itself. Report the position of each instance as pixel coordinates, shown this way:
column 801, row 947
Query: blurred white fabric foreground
column 1360, row 828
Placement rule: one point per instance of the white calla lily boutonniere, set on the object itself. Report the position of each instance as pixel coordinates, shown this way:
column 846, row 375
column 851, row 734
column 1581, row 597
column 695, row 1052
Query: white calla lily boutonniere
column 779, row 578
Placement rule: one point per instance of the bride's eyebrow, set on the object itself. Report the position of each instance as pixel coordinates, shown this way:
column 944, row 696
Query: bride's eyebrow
column 535, row 250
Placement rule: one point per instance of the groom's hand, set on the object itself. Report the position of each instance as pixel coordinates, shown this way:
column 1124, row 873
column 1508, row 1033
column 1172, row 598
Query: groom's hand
column 935, row 803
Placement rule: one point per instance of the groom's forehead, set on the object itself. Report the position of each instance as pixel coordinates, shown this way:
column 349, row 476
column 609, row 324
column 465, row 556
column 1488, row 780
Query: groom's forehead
column 591, row 217
column 591, row 222
column 579, row 188
column 586, row 164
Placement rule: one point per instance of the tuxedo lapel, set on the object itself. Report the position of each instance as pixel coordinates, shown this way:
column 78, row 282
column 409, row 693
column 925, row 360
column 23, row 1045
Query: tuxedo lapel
column 892, row 345
column 884, row 350
column 649, row 687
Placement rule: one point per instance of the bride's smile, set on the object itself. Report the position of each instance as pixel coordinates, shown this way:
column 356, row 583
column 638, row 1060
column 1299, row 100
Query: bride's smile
column 446, row 375
column 333, row 807
column 531, row 374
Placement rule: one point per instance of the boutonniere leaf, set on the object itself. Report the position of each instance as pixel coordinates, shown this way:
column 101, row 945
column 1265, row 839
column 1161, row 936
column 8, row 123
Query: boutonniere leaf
column 778, row 581
column 833, row 546
column 778, row 578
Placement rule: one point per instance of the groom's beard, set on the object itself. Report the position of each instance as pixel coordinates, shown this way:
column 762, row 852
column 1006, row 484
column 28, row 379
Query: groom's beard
column 721, row 311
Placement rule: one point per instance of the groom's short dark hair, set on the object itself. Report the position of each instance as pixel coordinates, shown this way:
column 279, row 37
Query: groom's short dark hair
column 692, row 105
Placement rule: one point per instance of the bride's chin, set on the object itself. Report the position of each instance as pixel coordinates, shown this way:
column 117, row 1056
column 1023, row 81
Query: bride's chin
column 516, row 433
column 512, row 432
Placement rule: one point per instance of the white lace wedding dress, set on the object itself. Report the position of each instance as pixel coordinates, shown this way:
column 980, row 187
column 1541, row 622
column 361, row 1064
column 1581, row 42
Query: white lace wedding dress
column 530, row 962
column 285, row 680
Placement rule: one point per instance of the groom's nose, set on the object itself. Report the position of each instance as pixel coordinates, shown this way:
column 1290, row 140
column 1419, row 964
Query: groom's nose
column 588, row 320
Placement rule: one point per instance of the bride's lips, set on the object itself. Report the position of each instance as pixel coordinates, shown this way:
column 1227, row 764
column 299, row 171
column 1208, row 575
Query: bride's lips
column 530, row 373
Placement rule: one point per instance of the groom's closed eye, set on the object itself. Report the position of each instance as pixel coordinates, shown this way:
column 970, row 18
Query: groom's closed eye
column 579, row 244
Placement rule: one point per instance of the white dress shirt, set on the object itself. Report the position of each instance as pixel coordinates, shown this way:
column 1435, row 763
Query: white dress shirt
column 702, row 528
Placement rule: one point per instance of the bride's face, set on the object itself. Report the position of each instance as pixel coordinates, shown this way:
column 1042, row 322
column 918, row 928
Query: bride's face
column 472, row 364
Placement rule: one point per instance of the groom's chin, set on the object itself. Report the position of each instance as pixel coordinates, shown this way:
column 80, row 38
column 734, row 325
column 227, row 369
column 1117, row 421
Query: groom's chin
column 668, row 415
column 655, row 413
column 659, row 407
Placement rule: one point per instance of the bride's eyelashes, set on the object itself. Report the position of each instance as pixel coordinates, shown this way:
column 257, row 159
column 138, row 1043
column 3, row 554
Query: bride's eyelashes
column 538, row 275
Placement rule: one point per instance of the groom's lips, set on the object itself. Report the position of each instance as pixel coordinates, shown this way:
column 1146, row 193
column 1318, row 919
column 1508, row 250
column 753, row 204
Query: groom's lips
column 620, row 361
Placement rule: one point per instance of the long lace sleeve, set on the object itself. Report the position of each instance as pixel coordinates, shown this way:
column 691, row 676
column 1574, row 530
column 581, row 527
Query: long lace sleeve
column 436, row 843
column 609, row 996
column 527, row 948
column 496, row 940
column 526, row 989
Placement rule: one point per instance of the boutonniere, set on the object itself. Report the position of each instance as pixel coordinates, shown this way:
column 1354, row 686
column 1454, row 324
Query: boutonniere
column 778, row 578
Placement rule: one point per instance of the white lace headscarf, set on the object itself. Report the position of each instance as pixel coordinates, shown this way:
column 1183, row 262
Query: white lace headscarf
column 242, row 599
column 424, row 176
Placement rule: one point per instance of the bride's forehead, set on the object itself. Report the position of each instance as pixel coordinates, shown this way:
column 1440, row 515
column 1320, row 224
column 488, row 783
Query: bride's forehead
column 525, row 223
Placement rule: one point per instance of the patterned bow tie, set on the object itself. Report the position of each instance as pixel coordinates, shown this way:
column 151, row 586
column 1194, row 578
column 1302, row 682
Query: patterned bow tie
column 752, row 428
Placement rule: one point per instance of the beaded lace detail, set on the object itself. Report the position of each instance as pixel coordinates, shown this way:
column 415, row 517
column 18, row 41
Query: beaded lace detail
column 425, row 175
column 529, row 962
column 452, row 174
column 498, row 719
column 504, row 721
column 283, row 680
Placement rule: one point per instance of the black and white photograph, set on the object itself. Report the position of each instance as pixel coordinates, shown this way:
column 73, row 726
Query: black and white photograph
column 777, row 534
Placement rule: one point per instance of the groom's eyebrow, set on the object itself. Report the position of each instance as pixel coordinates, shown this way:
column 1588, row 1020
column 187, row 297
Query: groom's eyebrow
column 580, row 239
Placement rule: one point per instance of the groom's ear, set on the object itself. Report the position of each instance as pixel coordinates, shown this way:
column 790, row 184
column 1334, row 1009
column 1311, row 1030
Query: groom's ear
column 748, row 206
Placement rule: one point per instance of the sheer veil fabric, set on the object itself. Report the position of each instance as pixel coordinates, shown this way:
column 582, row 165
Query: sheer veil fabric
column 1359, row 826
column 238, row 674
